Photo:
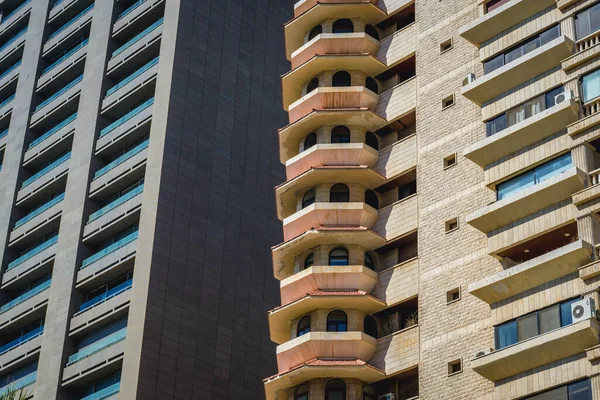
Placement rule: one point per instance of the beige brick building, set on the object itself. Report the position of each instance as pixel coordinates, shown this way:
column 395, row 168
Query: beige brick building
column 440, row 212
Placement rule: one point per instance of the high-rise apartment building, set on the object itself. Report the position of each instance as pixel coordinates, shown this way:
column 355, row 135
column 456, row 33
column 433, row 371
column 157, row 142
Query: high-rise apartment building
column 136, row 207
column 440, row 209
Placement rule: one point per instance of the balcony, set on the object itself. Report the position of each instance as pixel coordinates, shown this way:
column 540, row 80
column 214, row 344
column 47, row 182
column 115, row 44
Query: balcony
column 138, row 84
column 324, row 277
column 528, row 201
column 22, row 349
column 302, row 6
column 3, row 138
column 399, row 46
column 506, row 16
column 523, row 134
column 115, row 215
column 521, row 70
column 532, row 273
column 52, row 142
column 287, row 192
column 6, row 106
column 20, row 383
column 98, row 300
column 293, row 81
column 279, row 318
column 398, row 352
column 9, row 77
column 28, row 303
column 328, row 214
column 59, row 69
column 142, row 12
column 42, row 179
column 63, row 33
column 398, row 101
column 12, row 44
column 296, row 29
column 538, row 351
column 59, row 7
column 397, row 284
column 111, row 308
column 126, row 126
column 332, row 97
column 397, row 159
column 56, row 100
column 146, row 40
column 398, row 219
column 38, row 220
column 115, row 253
column 291, row 135
column 104, row 352
column 35, row 260
column 10, row 21
column 106, row 393
column 129, row 165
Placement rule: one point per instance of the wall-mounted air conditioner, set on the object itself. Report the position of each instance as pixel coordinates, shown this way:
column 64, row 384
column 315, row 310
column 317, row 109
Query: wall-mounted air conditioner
column 583, row 309
column 469, row 79
column 483, row 352
column 564, row 96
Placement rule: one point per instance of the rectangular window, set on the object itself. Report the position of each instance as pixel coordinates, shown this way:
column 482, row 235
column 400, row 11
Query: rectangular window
column 493, row 4
column 580, row 390
column 534, row 176
column 587, row 22
column 590, row 85
column 521, row 49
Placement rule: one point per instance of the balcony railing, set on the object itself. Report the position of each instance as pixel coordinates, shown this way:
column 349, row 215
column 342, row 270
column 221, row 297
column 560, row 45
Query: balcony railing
column 104, row 393
column 44, row 171
column 7, row 101
column 110, row 249
column 137, row 37
column 67, row 54
column 130, row 9
column 43, row 246
column 127, row 117
column 23, row 339
column 117, row 202
column 109, row 294
column 595, row 176
column 70, row 22
column 137, row 149
column 13, row 39
column 588, row 41
column 16, row 10
column 52, row 131
column 25, row 296
column 60, row 92
column 10, row 69
column 592, row 107
column 40, row 210
column 95, row 347
column 132, row 77
column 19, row 383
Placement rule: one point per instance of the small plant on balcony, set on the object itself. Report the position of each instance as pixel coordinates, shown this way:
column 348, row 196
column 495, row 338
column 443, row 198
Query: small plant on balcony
column 412, row 319
column 15, row 394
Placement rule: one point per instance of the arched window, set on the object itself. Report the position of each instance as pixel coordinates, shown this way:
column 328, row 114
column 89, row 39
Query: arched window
column 308, row 198
column 343, row 26
column 303, row 326
column 310, row 140
column 369, row 393
column 369, row 263
column 371, row 84
column 339, row 256
column 309, row 260
column 371, row 140
column 339, row 193
column 370, row 327
column 337, row 321
column 335, row 389
column 372, row 199
column 372, row 31
column 340, row 134
column 316, row 31
column 312, row 85
column 341, row 79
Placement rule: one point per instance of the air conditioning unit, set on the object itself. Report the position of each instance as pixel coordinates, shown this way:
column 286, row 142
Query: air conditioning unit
column 469, row 79
column 564, row 96
column 388, row 396
column 583, row 309
column 483, row 352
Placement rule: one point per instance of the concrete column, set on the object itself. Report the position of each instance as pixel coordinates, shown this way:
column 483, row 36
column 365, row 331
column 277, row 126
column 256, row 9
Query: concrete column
column 583, row 157
column 588, row 228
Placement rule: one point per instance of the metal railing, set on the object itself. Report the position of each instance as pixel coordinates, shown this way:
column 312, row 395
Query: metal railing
column 19, row 383
column 52, row 130
column 130, row 9
column 25, row 296
column 70, row 85
column 120, row 160
column 110, row 249
column 104, row 393
column 117, row 202
column 13, row 39
column 10, row 69
column 16, row 10
column 7, row 101
column 40, row 210
column 70, row 22
column 23, row 339
column 109, row 294
column 137, row 37
column 100, row 345
column 131, row 77
column 127, row 117
column 44, row 171
column 67, row 54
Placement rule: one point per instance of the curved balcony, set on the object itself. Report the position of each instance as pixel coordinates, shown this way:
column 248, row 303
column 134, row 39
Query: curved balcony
column 296, row 29
column 325, row 345
column 291, row 135
column 332, row 97
column 337, row 44
column 331, row 154
column 304, row 5
column 286, row 193
column 279, row 318
column 283, row 254
column 329, row 214
column 340, row 277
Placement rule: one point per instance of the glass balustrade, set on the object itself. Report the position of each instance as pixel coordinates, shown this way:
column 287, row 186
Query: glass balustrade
column 52, row 130
column 25, row 296
column 130, row 9
column 109, row 294
column 10, row 69
column 131, row 153
column 66, row 55
column 13, row 39
column 104, row 393
column 148, row 103
column 100, row 345
column 40, row 210
column 131, row 77
column 137, row 37
column 7, row 101
column 70, row 22
column 116, row 203
column 60, row 92
column 15, row 11
column 110, row 249
column 3, row 133
column 44, row 171
column 20, row 384
column 21, row 340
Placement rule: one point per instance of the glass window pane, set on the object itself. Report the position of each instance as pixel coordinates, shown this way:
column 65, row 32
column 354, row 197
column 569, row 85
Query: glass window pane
column 553, row 168
column 580, row 390
column 516, row 115
column 513, row 55
column 515, row 185
column 566, row 318
column 591, row 86
column 493, row 64
column 551, row 95
column 531, row 45
column 582, row 24
column 549, row 319
column 496, row 125
column 594, row 18
column 527, row 326
column 550, row 35
column 506, row 335
column 534, row 106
